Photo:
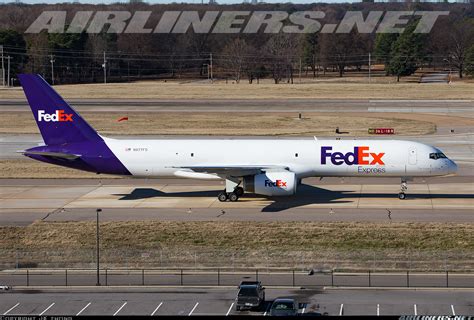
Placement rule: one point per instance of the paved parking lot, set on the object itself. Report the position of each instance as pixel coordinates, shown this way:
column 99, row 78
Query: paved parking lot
column 221, row 301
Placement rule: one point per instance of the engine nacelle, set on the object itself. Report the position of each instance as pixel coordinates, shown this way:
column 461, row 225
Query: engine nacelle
column 271, row 183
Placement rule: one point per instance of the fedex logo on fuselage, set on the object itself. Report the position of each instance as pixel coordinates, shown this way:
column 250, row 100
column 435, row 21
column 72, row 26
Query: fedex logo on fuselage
column 59, row 116
column 360, row 156
column 277, row 183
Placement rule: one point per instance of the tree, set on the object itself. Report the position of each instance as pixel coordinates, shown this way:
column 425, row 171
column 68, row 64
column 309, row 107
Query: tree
column 67, row 49
column 236, row 55
column 406, row 52
column 383, row 47
column 14, row 45
column 280, row 51
column 460, row 40
column 470, row 61
column 310, row 51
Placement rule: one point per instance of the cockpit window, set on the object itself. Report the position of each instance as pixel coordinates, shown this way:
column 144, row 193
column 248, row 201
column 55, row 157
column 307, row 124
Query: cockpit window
column 437, row 155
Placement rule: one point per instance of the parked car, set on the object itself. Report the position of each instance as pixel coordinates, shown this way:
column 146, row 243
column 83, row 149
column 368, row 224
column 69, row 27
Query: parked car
column 284, row 307
column 251, row 295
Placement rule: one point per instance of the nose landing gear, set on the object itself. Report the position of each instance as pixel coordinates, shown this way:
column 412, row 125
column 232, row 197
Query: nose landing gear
column 403, row 188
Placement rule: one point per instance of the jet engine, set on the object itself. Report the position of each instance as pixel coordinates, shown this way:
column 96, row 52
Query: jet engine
column 271, row 183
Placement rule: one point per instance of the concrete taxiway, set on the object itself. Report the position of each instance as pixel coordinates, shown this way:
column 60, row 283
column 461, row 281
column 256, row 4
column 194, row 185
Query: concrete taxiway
column 269, row 105
column 352, row 199
column 120, row 301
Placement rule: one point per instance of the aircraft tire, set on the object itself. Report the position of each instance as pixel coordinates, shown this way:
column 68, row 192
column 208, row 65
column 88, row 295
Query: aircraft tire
column 222, row 197
column 233, row 196
column 402, row 196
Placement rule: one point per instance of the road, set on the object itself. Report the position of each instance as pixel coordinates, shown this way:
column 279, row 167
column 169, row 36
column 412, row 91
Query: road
column 449, row 199
column 230, row 278
column 221, row 301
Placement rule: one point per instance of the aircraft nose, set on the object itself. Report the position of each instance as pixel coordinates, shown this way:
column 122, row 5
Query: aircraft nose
column 452, row 167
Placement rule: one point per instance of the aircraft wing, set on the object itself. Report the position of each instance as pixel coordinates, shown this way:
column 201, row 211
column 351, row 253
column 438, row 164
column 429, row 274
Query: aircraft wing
column 60, row 155
column 233, row 170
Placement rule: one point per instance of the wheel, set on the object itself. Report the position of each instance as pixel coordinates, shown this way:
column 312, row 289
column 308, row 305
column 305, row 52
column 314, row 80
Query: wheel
column 233, row 197
column 222, row 197
column 239, row 191
column 402, row 196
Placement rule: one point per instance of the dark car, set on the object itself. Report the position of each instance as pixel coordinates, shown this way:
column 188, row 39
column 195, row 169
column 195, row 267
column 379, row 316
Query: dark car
column 251, row 295
column 284, row 307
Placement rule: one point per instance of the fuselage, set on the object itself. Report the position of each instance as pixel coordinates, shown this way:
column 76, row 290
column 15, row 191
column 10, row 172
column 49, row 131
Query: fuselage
column 304, row 157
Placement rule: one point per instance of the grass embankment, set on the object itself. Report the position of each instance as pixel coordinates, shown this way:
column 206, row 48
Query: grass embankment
column 346, row 88
column 256, row 243
column 228, row 123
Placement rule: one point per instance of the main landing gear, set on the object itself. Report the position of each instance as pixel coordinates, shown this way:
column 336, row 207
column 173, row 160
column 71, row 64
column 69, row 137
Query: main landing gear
column 403, row 188
column 231, row 196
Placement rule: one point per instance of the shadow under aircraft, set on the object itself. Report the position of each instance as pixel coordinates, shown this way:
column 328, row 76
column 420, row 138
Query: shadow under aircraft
column 307, row 194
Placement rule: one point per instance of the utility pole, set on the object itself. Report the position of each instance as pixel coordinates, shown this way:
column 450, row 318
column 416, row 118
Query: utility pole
column 8, row 73
column 52, row 69
column 370, row 66
column 300, row 70
column 3, row 67
column 97, row 246
column 210, row 58
column 105, row 69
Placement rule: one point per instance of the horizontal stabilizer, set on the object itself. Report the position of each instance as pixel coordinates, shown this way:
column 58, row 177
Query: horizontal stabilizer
column 61, row 155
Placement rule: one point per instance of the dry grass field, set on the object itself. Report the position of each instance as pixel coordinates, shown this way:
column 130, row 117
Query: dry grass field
column 28, row 168
column 345, row 88
column 76, row 240
column 224, row 123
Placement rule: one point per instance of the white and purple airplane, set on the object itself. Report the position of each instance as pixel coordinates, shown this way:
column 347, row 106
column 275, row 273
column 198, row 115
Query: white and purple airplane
column 260, row 166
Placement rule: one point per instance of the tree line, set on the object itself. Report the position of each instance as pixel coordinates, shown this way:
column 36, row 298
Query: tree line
column 81, row 57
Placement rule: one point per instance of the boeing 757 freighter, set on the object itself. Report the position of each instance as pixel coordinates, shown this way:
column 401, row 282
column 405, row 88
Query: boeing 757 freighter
column 260, row 166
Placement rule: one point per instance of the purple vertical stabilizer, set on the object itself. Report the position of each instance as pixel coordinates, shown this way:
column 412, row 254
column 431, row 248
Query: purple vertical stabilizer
column 70, row 140
column 58, row 122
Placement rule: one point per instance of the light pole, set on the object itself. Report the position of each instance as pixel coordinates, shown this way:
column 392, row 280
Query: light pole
column 52, row 68
column 97, row 245
column 104, row 65
column 3, row 66
column 8, row 72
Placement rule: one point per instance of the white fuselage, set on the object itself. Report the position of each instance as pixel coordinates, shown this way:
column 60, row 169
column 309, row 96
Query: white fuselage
column 306, row 158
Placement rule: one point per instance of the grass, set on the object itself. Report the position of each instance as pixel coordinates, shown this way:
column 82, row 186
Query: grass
column 28, row 168
column 225, row 123
column 308, row 89
column 346, row 240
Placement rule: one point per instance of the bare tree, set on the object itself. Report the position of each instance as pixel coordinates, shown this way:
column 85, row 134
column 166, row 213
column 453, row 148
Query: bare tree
column 235, row 55
column 281, row 50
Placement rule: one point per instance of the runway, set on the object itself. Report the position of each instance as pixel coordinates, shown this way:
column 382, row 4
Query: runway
column 443, row 200
column 466, row 107
column 221, row 301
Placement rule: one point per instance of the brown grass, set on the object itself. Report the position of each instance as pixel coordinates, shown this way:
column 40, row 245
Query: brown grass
column 348, row 89
column 206, row 123
column 28, row 168
column 219, row 235
column 280, row 240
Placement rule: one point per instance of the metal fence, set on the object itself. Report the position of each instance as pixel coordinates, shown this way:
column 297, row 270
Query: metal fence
column 226, row 277
column 186, row 258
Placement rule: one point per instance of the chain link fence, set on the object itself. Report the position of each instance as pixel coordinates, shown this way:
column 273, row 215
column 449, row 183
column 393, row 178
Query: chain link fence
column 383, row 260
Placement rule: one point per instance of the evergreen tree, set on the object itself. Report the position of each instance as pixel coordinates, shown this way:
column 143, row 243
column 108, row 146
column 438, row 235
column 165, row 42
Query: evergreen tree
column 406, row 52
